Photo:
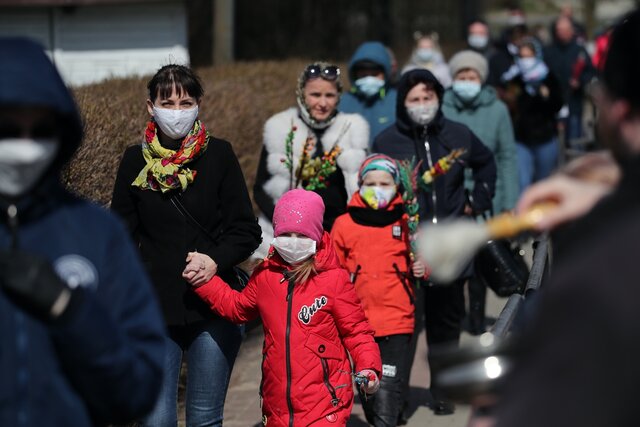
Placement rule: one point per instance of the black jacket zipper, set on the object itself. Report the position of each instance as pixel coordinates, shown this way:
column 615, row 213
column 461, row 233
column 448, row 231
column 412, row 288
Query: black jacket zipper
column 327, row 383
column 288, row 348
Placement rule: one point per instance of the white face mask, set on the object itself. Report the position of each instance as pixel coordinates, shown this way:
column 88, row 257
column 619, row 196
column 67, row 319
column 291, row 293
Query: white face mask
column 294, row 249
column 176, row 124
column 423, row 114
column 424, row 54
column 369, row 85
column 377, row 197
column 477, row 41
column 23, row 162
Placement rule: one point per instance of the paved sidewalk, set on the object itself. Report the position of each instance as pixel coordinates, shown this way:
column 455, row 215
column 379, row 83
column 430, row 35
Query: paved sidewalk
column 242, row 407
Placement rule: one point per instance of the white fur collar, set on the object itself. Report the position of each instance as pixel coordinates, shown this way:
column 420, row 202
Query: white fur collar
column 351, row 131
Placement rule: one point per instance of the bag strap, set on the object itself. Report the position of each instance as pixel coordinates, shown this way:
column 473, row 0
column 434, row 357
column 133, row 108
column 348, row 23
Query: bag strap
column 186, row 214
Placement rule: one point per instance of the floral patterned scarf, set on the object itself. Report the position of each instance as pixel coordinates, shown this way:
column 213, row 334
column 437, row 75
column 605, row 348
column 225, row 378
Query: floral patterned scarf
column 165, row 169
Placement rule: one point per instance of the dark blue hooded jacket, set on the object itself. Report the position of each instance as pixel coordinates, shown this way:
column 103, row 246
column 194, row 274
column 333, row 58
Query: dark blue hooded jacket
column 379, row 110
column 101, row 360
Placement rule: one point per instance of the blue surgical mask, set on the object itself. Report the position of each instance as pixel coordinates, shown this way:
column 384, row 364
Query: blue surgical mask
column 478, row 41
column 465, row 89
column 526, row 64
column 369, row 85
column 513, row 49
column 424, row 54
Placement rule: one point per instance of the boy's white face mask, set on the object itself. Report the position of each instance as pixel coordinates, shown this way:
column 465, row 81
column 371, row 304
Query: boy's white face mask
column 294, row 249
column 23, row 161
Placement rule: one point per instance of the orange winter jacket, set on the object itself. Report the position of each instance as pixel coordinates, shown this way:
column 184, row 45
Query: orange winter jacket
column 373, row 246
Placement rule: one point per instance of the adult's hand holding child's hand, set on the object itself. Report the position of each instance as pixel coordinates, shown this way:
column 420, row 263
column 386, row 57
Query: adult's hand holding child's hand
column 200, row 269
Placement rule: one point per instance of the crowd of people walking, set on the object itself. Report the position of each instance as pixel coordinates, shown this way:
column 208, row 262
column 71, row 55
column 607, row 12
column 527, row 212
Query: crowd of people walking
column 345, row 177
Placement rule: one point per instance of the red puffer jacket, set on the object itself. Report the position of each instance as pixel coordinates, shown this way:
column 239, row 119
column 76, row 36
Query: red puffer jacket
column 373, row 245
column 308, row 329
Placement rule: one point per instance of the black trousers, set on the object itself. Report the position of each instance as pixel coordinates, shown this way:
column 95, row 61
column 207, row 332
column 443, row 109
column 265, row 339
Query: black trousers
column 383, row 408
column 443, row 314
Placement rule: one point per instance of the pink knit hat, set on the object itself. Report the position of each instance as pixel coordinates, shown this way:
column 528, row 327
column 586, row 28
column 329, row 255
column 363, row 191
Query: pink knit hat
column 299, row 211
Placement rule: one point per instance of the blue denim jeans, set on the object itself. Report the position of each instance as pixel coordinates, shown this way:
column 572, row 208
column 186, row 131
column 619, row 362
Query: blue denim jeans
column 211, row 348
column 536, row 162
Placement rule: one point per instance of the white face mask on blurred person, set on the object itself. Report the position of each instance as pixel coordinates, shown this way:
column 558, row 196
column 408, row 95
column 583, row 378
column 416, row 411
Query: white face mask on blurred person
column 294, row 249
column 23, row 161
column 478, row 41
column 423, row 114
column 176, row 124
column 369, row 85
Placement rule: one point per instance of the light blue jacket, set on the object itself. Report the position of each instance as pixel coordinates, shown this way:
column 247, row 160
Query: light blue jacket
column 378, row 110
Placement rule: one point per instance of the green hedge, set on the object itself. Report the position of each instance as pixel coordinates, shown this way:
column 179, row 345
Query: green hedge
column 238, row 100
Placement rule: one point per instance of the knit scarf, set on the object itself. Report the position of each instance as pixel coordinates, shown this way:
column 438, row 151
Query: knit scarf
column 165, row 169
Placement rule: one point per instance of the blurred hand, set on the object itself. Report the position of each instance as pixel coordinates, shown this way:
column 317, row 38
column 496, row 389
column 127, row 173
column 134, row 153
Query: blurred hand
column 368, row 381
column 200, row 269
column 33, row 284
column 573, row 197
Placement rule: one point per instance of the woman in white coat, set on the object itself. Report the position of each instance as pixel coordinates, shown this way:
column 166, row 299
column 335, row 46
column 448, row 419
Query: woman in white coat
column 312, row 146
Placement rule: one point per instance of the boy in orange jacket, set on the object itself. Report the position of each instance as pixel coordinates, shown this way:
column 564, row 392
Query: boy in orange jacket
column 371, row 240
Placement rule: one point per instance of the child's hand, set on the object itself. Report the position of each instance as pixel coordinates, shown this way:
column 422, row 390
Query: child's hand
column 420, row 270
column 368, row 381
column 200, row 269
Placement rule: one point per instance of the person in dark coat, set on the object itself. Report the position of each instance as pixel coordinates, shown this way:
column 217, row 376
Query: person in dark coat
column 571, row 64
column 534, row 97
column 422, row 132
column 182, row 194
column 81, row 333
column 579, row 360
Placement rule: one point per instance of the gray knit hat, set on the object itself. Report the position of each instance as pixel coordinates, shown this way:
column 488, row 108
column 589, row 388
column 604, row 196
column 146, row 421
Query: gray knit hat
column 469, row 59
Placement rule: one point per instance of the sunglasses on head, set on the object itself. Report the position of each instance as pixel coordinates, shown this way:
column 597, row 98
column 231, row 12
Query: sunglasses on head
column 329, row 72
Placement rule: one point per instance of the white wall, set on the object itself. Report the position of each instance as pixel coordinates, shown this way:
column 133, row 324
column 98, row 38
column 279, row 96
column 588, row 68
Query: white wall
column 92, row 43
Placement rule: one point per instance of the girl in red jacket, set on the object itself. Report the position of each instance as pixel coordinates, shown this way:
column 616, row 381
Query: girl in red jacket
column 311, row 317
column 372, row 243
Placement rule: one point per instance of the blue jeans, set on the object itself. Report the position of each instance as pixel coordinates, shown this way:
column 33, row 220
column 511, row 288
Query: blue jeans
column 211, row 347
column 536, row 162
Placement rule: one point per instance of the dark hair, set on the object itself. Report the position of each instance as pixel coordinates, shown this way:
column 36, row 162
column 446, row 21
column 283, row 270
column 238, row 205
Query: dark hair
column 183, row 78
column 622, row 64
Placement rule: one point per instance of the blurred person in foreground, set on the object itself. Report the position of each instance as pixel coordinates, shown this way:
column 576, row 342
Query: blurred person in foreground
column 80, row 330
column 579, row 361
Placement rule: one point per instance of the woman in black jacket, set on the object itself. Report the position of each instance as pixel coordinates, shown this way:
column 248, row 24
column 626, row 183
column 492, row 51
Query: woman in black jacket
column 183, row 196
column 422, row 132
column 534, row 97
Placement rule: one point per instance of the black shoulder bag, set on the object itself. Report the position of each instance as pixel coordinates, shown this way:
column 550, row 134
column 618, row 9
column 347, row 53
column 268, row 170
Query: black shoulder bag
column 500, row 264
column 236, row 277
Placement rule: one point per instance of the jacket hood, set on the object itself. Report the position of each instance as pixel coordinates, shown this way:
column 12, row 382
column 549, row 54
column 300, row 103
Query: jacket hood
column 375, row 52
column 487, row 96
column 29, row 79
column 407, row 82
column 326, row 256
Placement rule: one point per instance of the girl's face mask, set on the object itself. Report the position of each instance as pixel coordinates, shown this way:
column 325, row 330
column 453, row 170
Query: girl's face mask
column 293, row 249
